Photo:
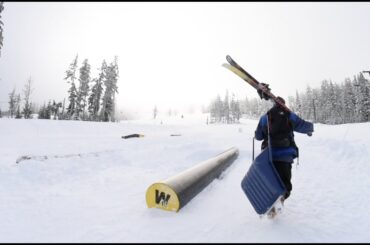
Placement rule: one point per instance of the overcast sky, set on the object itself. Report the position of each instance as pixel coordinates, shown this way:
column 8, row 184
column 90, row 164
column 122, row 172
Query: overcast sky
column 170, row 54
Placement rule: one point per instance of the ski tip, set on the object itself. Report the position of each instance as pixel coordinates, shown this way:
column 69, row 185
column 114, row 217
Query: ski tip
column 228, row 58
column 225, row 65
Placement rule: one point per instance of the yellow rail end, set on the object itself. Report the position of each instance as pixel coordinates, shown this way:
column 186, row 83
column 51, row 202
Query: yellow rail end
column 161, row 195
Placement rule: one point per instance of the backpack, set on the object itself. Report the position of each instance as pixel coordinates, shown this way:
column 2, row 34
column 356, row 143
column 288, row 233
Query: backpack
column 280, row 128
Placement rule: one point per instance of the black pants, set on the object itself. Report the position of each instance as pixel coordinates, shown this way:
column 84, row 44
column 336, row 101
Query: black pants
column 285, row 172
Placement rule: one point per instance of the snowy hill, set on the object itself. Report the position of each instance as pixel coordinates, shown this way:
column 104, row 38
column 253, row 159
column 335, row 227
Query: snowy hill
column 81, row 182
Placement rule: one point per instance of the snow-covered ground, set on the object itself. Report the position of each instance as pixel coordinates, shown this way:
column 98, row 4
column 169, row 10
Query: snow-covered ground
column 84, row 183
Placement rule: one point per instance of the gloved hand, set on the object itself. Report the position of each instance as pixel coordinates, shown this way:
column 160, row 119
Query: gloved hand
column 309, row 134
column 261, row 93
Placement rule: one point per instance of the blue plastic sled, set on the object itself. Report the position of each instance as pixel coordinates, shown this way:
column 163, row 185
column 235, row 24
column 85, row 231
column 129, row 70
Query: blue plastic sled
column 262, row 183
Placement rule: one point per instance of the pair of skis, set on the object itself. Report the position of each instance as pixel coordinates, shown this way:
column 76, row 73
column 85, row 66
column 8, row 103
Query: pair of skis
column 238, row 70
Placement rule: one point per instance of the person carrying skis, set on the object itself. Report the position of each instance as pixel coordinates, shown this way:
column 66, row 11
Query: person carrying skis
column 281, row 125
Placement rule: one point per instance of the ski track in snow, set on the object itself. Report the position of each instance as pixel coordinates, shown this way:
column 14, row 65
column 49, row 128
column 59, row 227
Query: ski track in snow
column 83, row 183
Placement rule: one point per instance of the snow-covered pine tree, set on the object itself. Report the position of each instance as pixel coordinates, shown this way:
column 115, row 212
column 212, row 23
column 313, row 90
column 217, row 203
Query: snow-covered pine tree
column 334, row 104
column 70, row 78
column 255, row 107
column 62, row 115
column 226, row 108
column 71, row 110
column 338, row 95
column 244, row 106
column 212, row 112
column 232, row 108
column 115, row 75
column 18, row 113
column 48, row 110
column 92, row 107
column 308, row 104
column 349, row 101
column 12, row 103
column 238, row 112
column 27, row 109
column 217, row 110
column 315, row 103
column 357, row 96
column 363, row 98
column 96, row 93
column 83, row 90
column 366, row 101
column 324, row 105
column 235, row 109
column 298, row 104
column 110, row 82
column 55, row 109
column 42, row 112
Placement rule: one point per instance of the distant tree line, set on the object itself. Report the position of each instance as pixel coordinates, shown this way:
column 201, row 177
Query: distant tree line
column 89, row 98
column 332, row 103
column 225, row 111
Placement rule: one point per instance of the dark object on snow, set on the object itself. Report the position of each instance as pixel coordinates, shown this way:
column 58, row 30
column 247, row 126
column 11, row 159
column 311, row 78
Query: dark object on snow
column 175, row 134
column 132, row 136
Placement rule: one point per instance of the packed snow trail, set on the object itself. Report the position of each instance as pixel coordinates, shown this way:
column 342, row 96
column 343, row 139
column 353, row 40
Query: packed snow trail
column 100, row 197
